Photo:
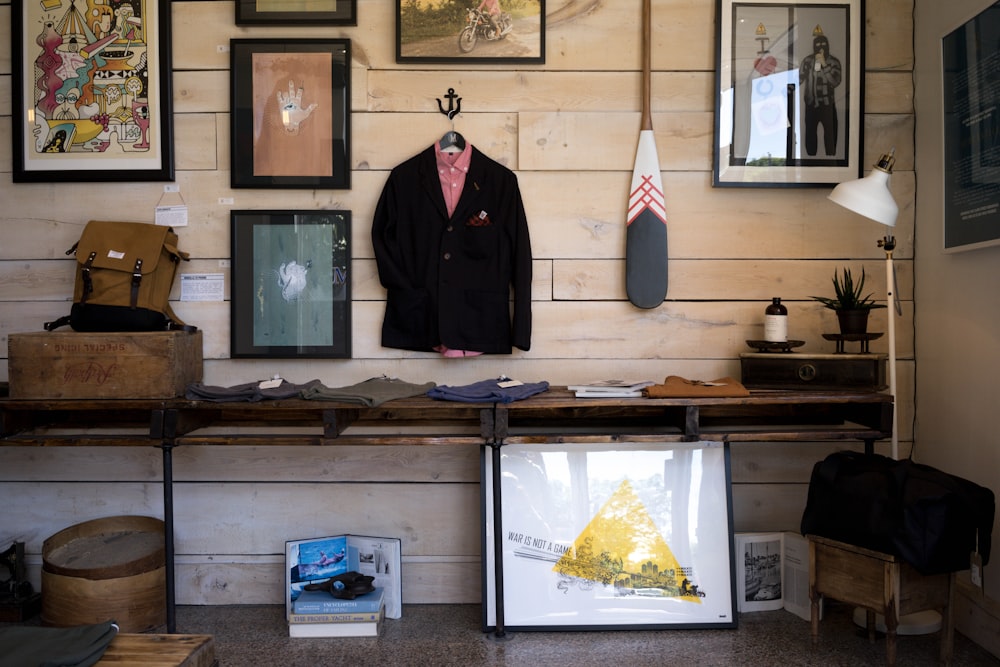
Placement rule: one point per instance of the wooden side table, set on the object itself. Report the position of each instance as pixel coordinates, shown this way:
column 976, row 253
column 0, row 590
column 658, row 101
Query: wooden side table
column 149, row 650
column 881, row 583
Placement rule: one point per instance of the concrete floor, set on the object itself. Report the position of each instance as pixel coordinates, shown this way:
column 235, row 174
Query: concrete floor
column 439, row 635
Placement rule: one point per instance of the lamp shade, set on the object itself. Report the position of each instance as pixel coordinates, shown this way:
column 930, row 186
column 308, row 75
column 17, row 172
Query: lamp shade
column 870, row 196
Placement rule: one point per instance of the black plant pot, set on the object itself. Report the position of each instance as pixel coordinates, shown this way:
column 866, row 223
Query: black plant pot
column 853, row 321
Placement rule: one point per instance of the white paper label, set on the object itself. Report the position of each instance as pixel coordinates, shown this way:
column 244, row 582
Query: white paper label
column 203, row 286
column 172, row 216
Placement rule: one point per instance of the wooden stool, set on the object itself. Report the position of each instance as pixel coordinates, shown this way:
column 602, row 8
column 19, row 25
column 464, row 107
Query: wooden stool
column 142, row 650
column 881, row 583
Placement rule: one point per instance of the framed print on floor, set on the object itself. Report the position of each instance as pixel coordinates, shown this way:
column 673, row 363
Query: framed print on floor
column 789, row 96
column 291, row 284
column 296, row 12
column 92, row 96
column 610, row 536
column 461, row 33
column 291, row 113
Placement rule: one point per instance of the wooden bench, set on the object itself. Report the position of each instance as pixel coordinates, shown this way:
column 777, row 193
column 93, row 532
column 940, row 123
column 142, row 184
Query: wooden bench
column 881, row 583
column 140, row 650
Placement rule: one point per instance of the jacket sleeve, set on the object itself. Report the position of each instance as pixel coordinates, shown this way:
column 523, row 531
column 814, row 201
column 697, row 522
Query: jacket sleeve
column 385, row 240
column 521, row 276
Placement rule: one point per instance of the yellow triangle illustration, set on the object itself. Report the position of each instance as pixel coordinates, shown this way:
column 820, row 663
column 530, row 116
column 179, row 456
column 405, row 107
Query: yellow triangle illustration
column 622, row 546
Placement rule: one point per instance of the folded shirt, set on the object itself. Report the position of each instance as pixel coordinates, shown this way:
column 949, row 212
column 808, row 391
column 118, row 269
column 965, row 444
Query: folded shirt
column 78, row 646
column 249, row 392
column 488, row 391
column 677, row 387
column 371, row 392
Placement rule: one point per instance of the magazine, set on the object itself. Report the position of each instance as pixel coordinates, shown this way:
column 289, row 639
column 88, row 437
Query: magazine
column 317, row 559
column 773, row 573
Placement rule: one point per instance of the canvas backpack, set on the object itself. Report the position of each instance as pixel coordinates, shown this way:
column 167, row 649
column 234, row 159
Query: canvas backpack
column 124, row 272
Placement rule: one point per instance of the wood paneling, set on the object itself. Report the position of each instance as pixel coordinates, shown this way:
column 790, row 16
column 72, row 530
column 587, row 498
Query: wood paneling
column 568, row 128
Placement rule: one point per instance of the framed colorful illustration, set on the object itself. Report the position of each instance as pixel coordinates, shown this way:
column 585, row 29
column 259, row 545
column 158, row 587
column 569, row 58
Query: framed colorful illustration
column 789, row 97
column 92, row 93
column 971, row 149
column 296, row 12
column 291, row 284
column 484, row 31
column 609, row 536
column 291, row 113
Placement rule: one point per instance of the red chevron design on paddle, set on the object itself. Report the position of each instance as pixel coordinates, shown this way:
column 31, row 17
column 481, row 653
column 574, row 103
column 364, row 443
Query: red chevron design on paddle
column 646, row 197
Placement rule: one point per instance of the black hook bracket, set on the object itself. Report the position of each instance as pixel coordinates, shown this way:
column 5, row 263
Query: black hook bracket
column 454, row 104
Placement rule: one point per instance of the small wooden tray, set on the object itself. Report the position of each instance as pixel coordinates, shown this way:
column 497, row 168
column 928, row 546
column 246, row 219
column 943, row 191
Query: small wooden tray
column 769, row 346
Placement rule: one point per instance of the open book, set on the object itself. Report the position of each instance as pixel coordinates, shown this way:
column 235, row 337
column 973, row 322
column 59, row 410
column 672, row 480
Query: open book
column 772, row 572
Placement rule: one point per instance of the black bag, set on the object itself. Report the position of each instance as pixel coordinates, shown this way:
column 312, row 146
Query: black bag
column 125, row 271
column 930, row 519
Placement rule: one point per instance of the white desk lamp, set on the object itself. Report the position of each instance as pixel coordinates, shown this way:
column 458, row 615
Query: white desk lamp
column 870, row 197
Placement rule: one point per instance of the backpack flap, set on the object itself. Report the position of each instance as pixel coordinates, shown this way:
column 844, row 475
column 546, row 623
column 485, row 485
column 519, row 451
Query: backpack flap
column 120, row 264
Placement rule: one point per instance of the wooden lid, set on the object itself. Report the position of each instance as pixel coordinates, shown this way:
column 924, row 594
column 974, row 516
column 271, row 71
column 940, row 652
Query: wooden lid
column 108, row 548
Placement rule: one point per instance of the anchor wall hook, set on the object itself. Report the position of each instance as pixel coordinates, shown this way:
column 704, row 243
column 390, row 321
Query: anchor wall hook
column 454, row 104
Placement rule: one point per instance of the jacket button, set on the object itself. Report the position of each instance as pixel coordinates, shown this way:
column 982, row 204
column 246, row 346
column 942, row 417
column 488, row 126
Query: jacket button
column 447, row 255
column 450, row 229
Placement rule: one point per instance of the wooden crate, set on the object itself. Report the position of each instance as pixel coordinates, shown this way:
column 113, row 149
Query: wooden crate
column 156, row 364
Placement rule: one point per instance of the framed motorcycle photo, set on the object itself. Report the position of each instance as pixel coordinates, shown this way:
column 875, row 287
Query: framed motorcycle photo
column 483, row 31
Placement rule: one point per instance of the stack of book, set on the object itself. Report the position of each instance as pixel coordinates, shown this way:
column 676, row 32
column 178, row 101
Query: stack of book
column 318, row 560
column 610, row 388
column 319, row 614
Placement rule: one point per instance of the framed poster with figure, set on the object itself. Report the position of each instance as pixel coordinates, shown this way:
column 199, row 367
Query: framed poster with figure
column 291, row 284
column 92, row 97
column 789, row 93
column 605, row 536
column 290, row 113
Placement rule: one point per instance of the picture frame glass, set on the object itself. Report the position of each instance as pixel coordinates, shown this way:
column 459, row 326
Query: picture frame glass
column 971, row 170
column 598, row 536
column 103, row 110
column 789, row 97
column 483, row 31
column 296, row 12
column 291, row 287
column 291, row 113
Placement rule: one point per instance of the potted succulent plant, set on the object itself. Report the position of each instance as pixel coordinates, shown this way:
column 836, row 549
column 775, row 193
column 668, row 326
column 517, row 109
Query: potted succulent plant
column 851, row 307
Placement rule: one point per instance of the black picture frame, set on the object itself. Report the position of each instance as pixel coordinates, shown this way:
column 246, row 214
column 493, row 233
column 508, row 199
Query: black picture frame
column 783, row 116
column 971, row 166
column 105, row 112
column 293, row 12
column 444, row 34
column 307, row 147
column 291, row 284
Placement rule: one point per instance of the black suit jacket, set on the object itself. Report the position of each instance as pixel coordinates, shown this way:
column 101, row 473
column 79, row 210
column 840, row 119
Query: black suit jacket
column 449, row 280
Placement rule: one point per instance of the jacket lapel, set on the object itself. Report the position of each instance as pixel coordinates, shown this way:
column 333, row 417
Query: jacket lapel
column 473, row 191
column 430, row 181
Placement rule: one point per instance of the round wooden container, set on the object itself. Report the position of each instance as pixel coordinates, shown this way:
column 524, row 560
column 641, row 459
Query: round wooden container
column 106, row 569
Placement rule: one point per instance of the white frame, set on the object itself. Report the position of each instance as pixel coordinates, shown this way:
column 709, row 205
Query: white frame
column 555, row 496
column 788, row 42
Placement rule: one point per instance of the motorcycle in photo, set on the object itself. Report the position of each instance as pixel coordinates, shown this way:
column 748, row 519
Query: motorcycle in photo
column 478, row 25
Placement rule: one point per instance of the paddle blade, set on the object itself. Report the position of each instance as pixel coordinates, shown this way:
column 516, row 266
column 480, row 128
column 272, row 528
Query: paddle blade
column 646, row 229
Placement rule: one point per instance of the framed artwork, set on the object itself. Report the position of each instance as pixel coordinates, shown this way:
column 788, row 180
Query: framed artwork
column 971, row 133
column 92, row 95
column 291, row 113
column 610, row 536
column 296, row 12
column 789, row 96
column 484, row 31
column 291, row 287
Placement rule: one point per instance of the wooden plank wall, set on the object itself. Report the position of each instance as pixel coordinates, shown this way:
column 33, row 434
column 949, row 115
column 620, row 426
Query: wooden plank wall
column 568, row 129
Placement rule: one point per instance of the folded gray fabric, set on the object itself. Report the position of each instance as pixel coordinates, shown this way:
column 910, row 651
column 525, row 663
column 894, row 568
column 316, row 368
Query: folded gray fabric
column 249, row 392
column 31, row 646
column 371, row 392
column 488, row 391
